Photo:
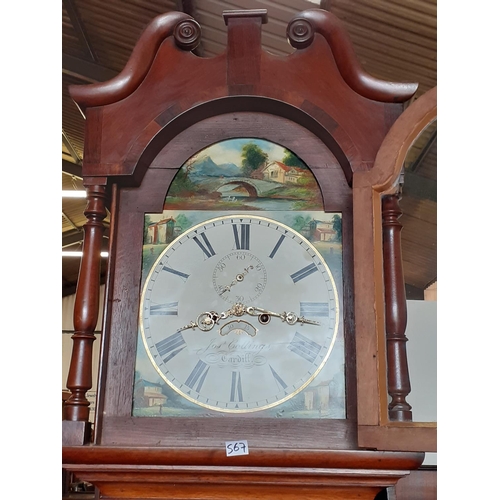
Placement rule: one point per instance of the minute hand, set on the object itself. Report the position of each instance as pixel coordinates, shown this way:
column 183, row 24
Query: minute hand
column 288, row 317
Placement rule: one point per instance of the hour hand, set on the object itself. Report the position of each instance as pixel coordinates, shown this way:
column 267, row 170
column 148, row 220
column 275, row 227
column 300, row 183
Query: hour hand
column 263, row 315
column 192, row 325
column 205, row 322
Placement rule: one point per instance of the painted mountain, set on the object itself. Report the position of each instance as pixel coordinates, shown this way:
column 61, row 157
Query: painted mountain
column 206, row 167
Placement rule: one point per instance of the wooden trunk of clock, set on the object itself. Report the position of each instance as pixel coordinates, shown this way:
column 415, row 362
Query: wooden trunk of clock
column 165, row 107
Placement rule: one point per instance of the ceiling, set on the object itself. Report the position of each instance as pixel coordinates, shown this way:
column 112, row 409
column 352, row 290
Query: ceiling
column 394, row 40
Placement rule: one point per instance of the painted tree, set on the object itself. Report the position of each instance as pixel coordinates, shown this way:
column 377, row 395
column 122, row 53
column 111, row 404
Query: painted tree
column 183, row 222
column 252, row 158
column 337, row 226
column 147, row 222
column 300, row 222
column 292, row 160
column 182, row 184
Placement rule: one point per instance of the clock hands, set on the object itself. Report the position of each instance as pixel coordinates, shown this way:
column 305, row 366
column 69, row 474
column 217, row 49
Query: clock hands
column 291, row 318
column 239, row 277
column 207, row 320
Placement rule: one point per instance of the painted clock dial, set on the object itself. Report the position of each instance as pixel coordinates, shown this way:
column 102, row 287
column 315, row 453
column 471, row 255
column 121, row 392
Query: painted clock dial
column 239, row 313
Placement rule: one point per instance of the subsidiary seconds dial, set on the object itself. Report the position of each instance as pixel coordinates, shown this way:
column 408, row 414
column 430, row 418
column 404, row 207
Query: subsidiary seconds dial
column 239, row 276
column 239, row 313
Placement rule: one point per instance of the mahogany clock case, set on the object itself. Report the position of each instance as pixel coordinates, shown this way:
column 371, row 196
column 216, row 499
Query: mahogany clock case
column 132, row 203
column 141, row 127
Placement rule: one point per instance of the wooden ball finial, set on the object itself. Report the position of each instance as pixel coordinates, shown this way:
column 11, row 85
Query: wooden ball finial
column 300, row 33
column 187, row 34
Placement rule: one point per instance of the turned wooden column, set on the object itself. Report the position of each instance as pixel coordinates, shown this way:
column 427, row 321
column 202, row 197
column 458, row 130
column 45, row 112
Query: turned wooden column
column 86, row 311
column 398, row 377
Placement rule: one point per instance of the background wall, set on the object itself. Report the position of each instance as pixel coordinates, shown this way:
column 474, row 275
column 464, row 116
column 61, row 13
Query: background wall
column 421, row 332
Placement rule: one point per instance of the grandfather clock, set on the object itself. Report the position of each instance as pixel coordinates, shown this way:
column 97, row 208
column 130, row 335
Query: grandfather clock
column 254, row 341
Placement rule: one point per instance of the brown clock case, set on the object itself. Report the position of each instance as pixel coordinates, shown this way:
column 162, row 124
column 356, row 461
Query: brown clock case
column 141, row 126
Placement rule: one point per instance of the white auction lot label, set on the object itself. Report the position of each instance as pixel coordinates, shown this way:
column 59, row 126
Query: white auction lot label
column 235, row 448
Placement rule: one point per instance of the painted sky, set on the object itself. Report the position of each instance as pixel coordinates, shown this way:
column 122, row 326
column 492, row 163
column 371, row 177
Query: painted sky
column 230, row 151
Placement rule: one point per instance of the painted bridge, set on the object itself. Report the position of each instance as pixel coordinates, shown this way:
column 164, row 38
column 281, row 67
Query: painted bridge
column 254, row 187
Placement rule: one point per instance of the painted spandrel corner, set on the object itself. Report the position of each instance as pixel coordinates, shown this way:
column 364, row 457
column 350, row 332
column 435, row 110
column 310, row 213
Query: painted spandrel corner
column 254, row 176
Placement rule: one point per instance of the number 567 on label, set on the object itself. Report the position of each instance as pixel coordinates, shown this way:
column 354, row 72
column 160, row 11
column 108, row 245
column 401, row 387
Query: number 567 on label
column 235, row 448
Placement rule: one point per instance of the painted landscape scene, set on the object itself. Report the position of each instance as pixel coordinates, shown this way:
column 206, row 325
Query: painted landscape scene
column 244, row 174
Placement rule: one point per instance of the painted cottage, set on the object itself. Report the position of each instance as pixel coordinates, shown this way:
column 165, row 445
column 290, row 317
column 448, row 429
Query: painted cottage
column 147, row 394
column 317, row 397
column 161, row 231
column 322, row 231
column 279, row 172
